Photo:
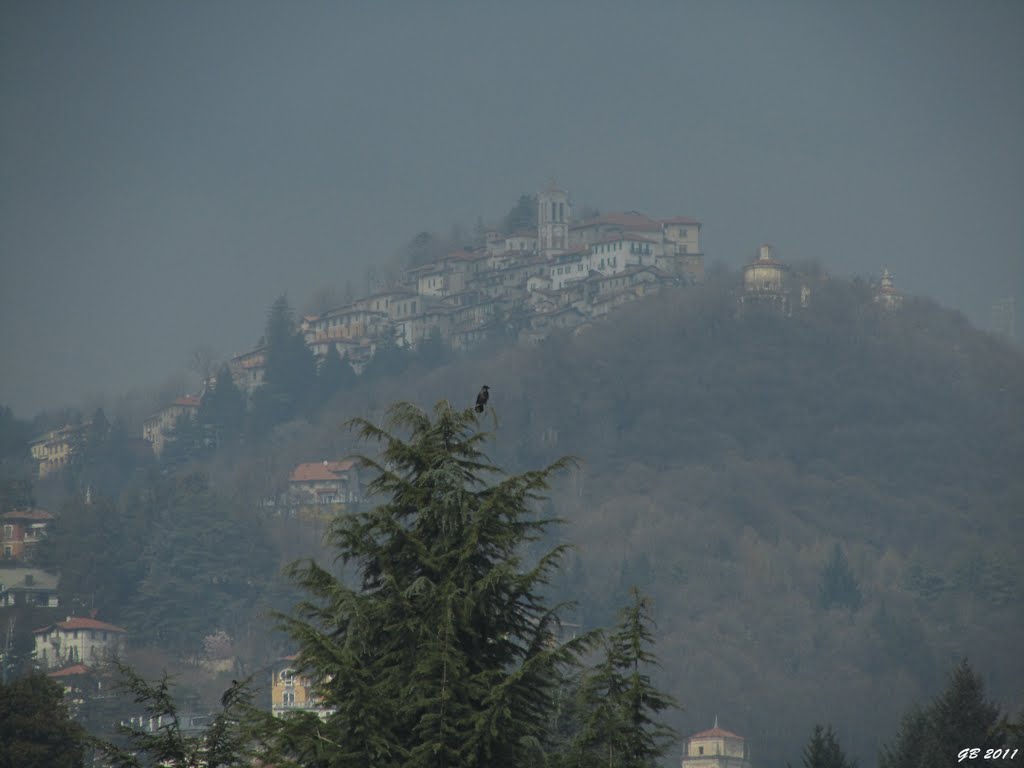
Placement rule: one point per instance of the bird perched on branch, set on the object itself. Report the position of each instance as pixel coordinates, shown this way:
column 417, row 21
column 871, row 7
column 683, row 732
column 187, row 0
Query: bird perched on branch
column 481, row 399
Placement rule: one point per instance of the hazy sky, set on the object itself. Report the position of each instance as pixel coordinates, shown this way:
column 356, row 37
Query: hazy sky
column 167, row 169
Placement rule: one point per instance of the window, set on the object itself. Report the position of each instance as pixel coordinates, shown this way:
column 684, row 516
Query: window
column 700, row 750
column 8, row 532
column 289, row 699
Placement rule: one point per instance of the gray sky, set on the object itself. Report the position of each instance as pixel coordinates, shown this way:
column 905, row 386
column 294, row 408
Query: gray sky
column 167, row 169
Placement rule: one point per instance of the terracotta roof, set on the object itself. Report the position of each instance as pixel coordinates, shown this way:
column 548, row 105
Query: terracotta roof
column 77, row 622
column 190, row 401
column 320, row 470
column 716, row 732
column 74, row 669
column 26, row 514
column 619, row 238
column 628, row 220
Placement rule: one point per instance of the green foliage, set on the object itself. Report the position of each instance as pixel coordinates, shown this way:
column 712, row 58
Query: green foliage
column 185, row 442
column 223, row 409
column 290, row 374
column 444, row 651
column 523, row 215
column 958, row 717
column 619, row 704
column 823, row 750
column 90, row 546
column 222, row 744
column 838, row 584
column 200, row 569
column 334, row 375
column 35, row 730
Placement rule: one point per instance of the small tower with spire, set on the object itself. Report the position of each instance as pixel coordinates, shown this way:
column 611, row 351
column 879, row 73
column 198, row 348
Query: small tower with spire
column 887, row 296
column 716, row 748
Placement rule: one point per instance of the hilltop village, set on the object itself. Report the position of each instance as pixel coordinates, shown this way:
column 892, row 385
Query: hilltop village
column 564, row 275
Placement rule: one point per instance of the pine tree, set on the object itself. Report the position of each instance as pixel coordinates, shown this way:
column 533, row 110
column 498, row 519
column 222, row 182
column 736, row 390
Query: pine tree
column 334, row 375
column 959, row 717
column 823, row 750
column 621, row 705
column 223, row 408
column 443, row 653
column 838, row 584
column 35, row 729
column 290, row 374
column 222, row 744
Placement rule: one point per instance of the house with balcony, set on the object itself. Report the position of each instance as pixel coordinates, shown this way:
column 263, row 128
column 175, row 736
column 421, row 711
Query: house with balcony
column 323, row 483
column 55, row 449
column 292, row 690
column 22, row 530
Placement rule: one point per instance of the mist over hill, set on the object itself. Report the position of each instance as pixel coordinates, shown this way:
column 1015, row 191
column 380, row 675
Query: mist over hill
column 824, row 507
column 724, row 460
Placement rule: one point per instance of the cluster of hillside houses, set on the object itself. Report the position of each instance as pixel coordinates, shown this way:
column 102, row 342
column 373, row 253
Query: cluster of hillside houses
column 563, row 275
column 529, row 283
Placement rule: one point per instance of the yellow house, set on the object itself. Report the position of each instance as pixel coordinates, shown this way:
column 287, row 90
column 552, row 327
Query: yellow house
column 157, row 426
column 716, row 748
column 55, row 449
column 291, row 691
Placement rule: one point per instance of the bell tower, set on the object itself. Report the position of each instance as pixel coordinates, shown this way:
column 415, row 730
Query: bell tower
column 553, row 216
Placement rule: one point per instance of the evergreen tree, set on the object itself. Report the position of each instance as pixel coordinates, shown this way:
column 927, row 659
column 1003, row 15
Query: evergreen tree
column 201, row 569
column 222, row 744
column 959, row 717
column 522, row 216
column 443, row 652
column 290, row 370
column 838, row 584
column 35, row 729
column 621, row 704
column 223, row 408
column 184, row 442
column 334, row 375
column 823, row 750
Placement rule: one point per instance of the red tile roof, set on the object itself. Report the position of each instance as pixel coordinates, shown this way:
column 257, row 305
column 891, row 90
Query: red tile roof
column 630, row 220
column 26, row 514
column 620, row 238
column 323, row 470
column 190, row 401
column 77, row 622
column 74, row 669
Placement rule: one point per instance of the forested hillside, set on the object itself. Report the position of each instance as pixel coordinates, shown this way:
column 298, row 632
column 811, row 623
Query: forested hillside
column 825, row 508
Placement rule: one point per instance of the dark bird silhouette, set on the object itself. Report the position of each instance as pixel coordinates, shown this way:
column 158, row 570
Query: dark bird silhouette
column 481, row 399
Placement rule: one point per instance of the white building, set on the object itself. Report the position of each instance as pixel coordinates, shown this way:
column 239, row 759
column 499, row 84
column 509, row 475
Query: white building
column 78, row 640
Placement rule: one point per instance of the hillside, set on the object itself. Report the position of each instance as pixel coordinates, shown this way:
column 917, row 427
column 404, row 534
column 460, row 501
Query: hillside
column 723, row 459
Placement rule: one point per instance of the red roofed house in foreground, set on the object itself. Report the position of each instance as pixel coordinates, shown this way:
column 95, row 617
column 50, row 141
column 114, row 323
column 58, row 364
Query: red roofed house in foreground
column 716, row 748
column 78, row 640
column 325, row 482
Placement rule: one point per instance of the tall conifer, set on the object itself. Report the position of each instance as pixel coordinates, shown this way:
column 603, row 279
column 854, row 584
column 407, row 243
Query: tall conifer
column 442, row 652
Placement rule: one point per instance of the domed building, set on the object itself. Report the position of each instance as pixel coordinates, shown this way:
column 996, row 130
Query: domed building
column 765, row 283
column 716, row 748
